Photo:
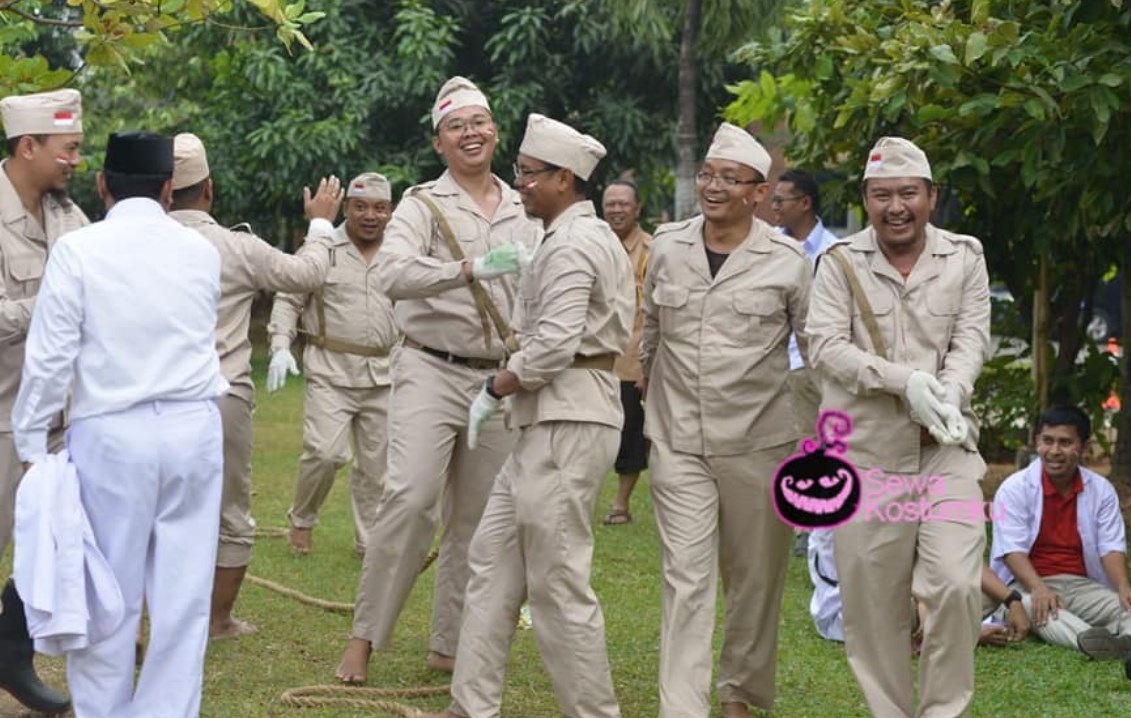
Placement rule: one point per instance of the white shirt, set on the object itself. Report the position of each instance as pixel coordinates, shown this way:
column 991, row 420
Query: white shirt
column 127, row 309
column 819, row 238
column 1017, row 509
column 825, row 604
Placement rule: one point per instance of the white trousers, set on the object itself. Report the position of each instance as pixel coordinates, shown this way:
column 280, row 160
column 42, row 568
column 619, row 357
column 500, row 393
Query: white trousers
column 150, row 480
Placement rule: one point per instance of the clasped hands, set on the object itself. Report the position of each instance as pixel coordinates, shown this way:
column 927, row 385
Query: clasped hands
column 930, row 409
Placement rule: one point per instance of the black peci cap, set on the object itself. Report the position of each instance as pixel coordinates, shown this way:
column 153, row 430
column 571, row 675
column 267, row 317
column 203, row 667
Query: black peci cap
column 139, row 153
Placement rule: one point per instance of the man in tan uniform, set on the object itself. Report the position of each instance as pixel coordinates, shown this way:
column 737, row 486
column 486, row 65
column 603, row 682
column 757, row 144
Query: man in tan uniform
column 621, row 209
column 722, row 295
column 248, row 265
column 574, row 317
column 44, row 136
column 899, row 353
column 350, row 331
column 445, row 237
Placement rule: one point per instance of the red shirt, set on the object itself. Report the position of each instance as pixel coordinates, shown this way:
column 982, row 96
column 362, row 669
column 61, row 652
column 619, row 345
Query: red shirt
column 1058, row 548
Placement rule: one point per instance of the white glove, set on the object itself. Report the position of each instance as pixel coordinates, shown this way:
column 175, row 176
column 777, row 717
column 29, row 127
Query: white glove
column 482, row 409
column 953, row 430
column 282, row 363
column 502, row 260
column 926, row 395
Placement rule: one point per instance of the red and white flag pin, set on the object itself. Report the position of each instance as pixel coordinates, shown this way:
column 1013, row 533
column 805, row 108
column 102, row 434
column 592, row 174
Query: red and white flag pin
column 64, row 119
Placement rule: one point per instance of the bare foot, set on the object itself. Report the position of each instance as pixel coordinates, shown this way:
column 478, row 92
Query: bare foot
column 440, row 662
column 736, row 710
column 300, row 539
column 231, row 628
column 355, row 662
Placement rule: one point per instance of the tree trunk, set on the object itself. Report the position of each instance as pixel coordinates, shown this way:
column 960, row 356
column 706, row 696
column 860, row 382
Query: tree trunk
column 1121, row 455
column 687, row 138
column 1041, row 335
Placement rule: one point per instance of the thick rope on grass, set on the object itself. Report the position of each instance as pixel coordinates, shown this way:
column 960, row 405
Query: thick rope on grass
column 361, row 698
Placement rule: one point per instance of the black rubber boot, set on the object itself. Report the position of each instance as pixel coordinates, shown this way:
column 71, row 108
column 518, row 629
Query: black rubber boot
column 17, row 671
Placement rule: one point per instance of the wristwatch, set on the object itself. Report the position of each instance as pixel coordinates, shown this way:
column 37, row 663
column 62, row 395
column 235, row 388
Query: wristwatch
column 1014, row 595
column 489, row 387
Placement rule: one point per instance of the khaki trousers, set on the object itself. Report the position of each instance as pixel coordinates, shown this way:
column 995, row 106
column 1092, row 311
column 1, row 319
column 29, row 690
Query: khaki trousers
column 806, row 399
column 536, row 540
column 428, row 460
column 332, row 415
column 715, row 514
column 884, row 555
column 237, row 527
column 1087, row 603
column 11, row 473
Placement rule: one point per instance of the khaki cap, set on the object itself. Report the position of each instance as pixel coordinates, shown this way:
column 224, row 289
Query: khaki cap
column 190, row 162
column 733, row 143
column 559, row 144
column 44, row 113
column 897, row 157
column 458, row 92
column 371, row 186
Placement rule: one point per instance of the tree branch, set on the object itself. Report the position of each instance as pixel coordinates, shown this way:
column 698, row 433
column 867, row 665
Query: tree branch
column 10, row 6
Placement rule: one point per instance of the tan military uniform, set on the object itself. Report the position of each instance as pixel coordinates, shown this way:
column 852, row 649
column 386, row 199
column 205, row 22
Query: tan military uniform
column 248, row 265
column 935, row 320
column 347, row 391
column 628, row 364
column 720, row 418
column 428, row 454
column 24, row 245
column 536, row 537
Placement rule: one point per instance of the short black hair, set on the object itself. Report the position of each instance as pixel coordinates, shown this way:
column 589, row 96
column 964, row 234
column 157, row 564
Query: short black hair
column 14, row 142
column 190, row 194
column 580, row 186
column 626, row 183
column 1064, row 415
column 806, row 184
column 124, row 186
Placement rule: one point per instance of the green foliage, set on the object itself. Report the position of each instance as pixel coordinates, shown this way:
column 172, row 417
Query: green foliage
column 110, row 34
column 1024, row 108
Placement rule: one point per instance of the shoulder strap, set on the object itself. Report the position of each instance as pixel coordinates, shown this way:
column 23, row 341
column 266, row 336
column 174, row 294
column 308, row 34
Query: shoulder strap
column 861, row 300
column 488, row 312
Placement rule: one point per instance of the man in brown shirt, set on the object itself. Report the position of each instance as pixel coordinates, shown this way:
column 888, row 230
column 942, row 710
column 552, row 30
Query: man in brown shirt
column 44, row 137
column 248, row 266
column 350, row 331
column 621, row 209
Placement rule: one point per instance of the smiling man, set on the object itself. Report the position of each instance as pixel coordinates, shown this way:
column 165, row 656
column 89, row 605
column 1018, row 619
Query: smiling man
column 448, row 260
column 899, row 327
column 1061, row 541
column 350, row 332
column 44, row 137
column 723, row 294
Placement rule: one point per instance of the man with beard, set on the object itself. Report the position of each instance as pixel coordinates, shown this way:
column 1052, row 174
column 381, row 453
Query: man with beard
column 350, row 330
column 44, row 136
column 447, row 241
column 899, row 327
column 536, row 538
column 723, row 294
column 621, row 209
column 248, row 266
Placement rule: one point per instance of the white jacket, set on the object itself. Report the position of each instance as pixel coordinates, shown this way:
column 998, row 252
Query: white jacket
column 70, row 595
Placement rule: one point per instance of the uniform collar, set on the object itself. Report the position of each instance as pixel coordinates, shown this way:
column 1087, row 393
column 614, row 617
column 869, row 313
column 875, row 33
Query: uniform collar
column 635, row 237
column 193, row 216
column 583, row 208
column 509, row 204
column 1049, row 489
column 12, row 208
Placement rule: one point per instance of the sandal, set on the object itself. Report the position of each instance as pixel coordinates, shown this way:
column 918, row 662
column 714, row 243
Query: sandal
column 618, row 517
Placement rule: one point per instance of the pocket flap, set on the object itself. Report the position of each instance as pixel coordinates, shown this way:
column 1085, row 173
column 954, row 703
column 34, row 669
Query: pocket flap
column 667, row 295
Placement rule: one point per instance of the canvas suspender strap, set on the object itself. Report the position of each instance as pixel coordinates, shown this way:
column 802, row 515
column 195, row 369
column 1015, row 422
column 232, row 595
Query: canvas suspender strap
column 866, row 313
column 488, row 313
column 336, row 345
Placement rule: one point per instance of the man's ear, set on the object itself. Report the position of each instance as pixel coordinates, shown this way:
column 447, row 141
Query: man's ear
column 103, row 192
column 167, row 194
column 206, row 193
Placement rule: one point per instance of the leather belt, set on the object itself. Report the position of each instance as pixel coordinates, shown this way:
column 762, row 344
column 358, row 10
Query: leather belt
column 469, row 362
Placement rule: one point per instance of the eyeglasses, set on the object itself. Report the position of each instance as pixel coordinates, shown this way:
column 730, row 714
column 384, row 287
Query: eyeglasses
column 521, row 173
column 706, row 178
column 457, row 126
column 776, row 201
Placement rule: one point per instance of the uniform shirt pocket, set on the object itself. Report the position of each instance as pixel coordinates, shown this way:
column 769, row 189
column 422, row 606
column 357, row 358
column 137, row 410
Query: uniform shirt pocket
column 759, row 316
column 27, row 272
column 883, row 312
column 672, row 301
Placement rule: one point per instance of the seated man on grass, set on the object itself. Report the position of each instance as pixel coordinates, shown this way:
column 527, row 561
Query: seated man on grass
column 1060, row 538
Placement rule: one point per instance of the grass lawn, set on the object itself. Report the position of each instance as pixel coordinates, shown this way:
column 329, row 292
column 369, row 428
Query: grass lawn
column 298, row 645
